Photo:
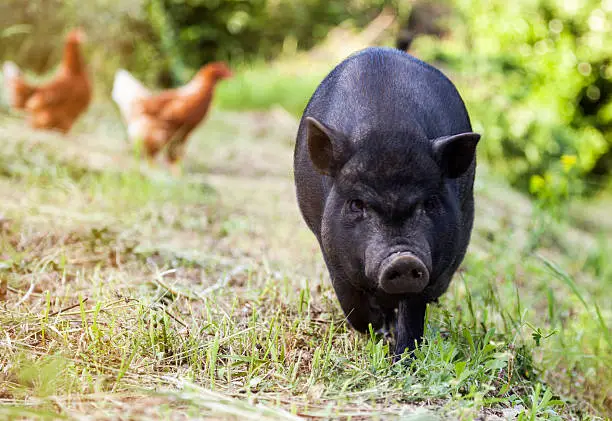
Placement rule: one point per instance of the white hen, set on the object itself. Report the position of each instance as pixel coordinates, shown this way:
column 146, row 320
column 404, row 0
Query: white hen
column 127, row 90
column 10, row 74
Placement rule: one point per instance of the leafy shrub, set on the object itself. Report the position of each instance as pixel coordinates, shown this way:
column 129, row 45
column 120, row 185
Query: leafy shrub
column 194, row 32
column 164, row 42
column 537, row 76
column 32, row 34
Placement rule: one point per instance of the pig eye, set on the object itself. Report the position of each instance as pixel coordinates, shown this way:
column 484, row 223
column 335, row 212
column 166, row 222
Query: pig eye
column 357, row 206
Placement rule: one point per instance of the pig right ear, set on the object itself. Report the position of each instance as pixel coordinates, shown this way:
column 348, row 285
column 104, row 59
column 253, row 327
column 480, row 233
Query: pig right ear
column 455, row 153
column 329, row 150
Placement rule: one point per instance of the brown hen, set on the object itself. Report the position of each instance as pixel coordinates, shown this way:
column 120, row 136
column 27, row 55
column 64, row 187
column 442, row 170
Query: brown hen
column 164, row 121
column 58, row 103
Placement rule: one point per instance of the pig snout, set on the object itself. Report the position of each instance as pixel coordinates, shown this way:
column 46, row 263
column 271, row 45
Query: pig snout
column 403, row 273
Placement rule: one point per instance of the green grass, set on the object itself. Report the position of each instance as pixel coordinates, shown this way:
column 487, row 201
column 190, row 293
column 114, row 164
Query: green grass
column 264, row 85
column 133, row 295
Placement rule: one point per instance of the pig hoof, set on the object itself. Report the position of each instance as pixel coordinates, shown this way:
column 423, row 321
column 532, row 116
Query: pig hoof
column 403, row 273
column 385, row 332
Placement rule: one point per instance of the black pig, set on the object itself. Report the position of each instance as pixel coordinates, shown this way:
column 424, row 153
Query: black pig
column 384, row 171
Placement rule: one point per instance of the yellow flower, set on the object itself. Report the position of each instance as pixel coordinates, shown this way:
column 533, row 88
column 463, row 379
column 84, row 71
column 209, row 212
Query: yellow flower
column 568, row 162
column 536, row 183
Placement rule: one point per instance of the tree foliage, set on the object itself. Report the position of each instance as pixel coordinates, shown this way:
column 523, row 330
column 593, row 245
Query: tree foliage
column 537, row 76
column 194, row 32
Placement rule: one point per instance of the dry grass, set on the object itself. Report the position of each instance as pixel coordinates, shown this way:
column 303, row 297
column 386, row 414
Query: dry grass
column 133, row 295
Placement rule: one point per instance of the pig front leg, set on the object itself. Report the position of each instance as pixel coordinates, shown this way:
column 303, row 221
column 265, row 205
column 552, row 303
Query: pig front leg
column 410, row 324
column 359, row 307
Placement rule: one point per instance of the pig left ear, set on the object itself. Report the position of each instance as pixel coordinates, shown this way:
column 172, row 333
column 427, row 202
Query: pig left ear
column 329, row 149
column 455, row 153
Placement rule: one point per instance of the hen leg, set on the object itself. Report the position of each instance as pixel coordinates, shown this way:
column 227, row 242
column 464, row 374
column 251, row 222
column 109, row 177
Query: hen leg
column 174, row 154
column 149, row 147
column 176, row 168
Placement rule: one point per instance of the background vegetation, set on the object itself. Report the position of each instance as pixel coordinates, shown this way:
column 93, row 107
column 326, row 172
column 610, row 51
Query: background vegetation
column 536, row 75
column 538, row 78
column 206, row 294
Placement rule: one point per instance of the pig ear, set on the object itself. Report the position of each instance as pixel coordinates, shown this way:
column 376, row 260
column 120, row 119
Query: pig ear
column 328, row 149
column 455, row 153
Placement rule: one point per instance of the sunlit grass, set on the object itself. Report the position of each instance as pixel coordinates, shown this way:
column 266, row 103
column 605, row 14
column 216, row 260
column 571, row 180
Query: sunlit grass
column 265, row 85
column 130, row 292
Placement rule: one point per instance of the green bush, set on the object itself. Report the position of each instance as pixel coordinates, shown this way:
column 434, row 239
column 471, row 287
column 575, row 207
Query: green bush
column 537, row 77
column 118, row 35
column 164, row 42
column 194, row 32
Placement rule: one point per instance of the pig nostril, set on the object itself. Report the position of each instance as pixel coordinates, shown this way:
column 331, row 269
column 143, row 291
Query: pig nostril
column 393, row 275
column 417, row 274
